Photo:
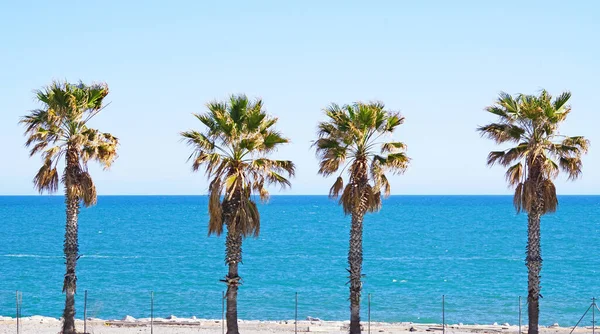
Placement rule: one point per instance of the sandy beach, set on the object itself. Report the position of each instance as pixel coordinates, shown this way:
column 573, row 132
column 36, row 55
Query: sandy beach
column 46, row 325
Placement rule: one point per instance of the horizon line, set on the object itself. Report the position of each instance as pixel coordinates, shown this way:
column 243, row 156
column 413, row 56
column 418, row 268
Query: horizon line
column 276, row 195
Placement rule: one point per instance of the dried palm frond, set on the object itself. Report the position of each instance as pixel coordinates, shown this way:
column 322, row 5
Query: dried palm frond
column 234, row 153
column 349, row 138
column 533, row 122
column 61, row 125
column 337, row 187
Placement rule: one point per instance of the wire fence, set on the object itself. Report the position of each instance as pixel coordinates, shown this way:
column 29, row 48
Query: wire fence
column 444, row 310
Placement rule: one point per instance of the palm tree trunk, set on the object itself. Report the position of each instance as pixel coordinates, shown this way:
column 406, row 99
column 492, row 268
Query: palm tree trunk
column 534, row 248
column 233, row 245
column 71, row 246
column 534, row 267
column 355, row 258
column 71, row 249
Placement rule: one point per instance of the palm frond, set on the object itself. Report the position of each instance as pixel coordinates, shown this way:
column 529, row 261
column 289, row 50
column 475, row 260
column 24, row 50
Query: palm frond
column 336, row 188
column 59, row 129
column 262, row 165
column 239, row 134
column 518, row 197
column 332, row 155
column 215, row 210
column 572, row 166
column 397, row 163
column 509, row 156
column 560, row 102
column 271, row 140
column 549, row 169
column 198, row 140
column 501, row 133
column 278, row 179
column 46, row 178
column 393, row 147
column 575, row 145
column 494, row 157
column 533, row 121
column 101, row 147
column 514, row 175
column 233, row 183
column 351, row 133
column 86, row 189
column 496, row 110
column 350, row 198
column 211, row 160
column 510, row 104
column 373, row 200
column 238, row 106
column 392, row 122
column 257, row 119
column 248, row 218
column 550, row 200
column 386, row 186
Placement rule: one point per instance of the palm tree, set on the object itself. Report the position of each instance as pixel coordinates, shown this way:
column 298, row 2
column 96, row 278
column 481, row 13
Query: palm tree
column 351, row 138
column 59, row 130
column 233, row 150
column 531, row 122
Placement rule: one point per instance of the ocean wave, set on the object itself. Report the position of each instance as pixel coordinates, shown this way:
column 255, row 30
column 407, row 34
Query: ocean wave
column 445, row 258
column 32, row 256
column 109, row 257
column 97, row 256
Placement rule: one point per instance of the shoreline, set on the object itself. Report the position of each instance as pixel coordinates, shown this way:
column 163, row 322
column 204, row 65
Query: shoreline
column 172, row 325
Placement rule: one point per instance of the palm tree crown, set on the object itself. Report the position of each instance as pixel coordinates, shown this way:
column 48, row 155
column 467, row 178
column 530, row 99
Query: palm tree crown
column 350, row 137
column 239, row 135
column 532, row 122
column 60, row 130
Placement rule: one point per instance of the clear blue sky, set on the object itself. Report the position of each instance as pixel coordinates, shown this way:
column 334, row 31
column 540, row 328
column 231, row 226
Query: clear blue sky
column 438, row 62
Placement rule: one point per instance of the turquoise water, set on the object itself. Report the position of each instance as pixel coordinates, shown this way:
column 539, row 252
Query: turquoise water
column 418, row 248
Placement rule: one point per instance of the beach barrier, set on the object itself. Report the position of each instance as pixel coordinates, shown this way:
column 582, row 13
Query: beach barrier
column 305, row 306
column 85, row 313
column 369, row 314
column 19, row 303
column 444, row 314
column 519, row 314
column 152, row 312
column 592, row 307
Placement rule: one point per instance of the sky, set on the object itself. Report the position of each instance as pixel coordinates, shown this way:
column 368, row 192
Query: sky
column 439, row 63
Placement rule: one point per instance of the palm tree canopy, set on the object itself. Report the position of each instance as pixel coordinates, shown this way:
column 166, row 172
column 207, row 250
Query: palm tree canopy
column 60, row 129
column 532, row 123
column 234, row 150
column 350, row 137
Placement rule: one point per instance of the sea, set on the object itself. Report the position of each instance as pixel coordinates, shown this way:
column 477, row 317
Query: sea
column 425, row 258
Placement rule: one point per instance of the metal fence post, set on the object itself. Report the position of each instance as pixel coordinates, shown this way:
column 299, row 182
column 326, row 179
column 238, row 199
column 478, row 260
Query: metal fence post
column 593, row 315
column 444, row 314
column 519, row 314
column 296, row 315
column 223, row 312
column 18, row 309
column 151, row 312
column 85, row 313
column 369, row 314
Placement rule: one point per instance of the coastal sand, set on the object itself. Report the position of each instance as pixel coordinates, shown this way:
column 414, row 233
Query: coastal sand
column 45, row 325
